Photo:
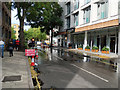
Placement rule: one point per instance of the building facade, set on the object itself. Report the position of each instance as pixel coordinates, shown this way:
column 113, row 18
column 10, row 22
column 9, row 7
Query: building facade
column 91, row 23
column 16, row 29
column 5, row 22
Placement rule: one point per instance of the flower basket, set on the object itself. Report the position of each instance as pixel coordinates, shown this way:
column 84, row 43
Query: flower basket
column 96, row 50
column 87, row 48
column 80, row 47
column 105, row 50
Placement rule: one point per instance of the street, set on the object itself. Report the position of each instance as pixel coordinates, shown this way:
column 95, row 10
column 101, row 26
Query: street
column 61, row 69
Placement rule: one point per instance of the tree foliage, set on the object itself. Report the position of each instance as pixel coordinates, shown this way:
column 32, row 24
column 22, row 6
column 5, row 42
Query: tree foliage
column 36, row 33
column 13, row 33
column 22, row 8
column 45, row 14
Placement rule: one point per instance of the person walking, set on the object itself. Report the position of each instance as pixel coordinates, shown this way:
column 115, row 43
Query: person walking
column 14, row 43
column 11, row 48
column 17, row 44
column 2, row 44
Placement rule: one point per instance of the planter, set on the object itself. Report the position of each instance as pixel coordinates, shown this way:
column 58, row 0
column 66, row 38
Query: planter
column 107, row 52
column 96, row 50
column 79, row 48
column 87, row 49
column 93, row 50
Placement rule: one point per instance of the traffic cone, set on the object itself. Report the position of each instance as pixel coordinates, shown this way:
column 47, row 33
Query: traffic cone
column 32, row 63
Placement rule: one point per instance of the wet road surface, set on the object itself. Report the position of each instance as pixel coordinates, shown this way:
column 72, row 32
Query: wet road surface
column 61, row 69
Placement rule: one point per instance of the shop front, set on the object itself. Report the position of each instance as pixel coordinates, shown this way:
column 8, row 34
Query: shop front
column 102, row 37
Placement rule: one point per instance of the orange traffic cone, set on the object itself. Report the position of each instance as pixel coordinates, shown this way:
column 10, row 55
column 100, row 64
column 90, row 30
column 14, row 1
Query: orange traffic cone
column 32, row 63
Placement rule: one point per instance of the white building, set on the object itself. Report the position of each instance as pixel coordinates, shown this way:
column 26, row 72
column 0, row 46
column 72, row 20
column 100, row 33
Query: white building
column 91, row 22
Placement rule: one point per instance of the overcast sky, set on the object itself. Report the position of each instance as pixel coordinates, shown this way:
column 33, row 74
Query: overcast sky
column 14, row 19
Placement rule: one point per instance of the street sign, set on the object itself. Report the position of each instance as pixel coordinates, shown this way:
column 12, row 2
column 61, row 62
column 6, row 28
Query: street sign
column 29, row 52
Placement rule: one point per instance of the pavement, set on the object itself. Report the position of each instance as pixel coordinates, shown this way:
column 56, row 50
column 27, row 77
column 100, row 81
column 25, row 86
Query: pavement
column 17, row 65
column 90, row 53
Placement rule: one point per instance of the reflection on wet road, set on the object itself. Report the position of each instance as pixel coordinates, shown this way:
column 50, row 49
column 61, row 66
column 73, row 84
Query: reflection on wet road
column 62, row 69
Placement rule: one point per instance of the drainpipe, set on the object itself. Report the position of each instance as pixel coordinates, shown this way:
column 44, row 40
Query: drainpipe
column 119, row 41
column 85, row 40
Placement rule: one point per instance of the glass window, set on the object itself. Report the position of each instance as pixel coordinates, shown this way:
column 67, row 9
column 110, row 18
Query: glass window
column 68, row 22
column 76, row 19
column 76, row 4
column 86, row 16
column 68, row 8
column 14, row 26
column 86, row 1
column 102, row 11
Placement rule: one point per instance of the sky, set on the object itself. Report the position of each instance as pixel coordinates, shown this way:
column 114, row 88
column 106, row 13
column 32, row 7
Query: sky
column 14, row 19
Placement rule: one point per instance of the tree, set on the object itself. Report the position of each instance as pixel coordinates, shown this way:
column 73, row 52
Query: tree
column 13, row 33
column 36, row 33
column 22, row 8
column 46, row 15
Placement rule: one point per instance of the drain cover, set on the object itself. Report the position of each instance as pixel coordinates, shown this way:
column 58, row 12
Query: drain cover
column 11, row 78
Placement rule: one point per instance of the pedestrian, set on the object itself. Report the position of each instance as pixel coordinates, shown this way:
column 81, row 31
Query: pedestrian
column 10, row 45
column 2, row 44
column 17, row 44
column 14, row 43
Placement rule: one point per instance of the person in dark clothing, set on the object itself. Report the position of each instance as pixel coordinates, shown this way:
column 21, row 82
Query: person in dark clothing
column 14, row 43
column 17, row 44
column 11, row 48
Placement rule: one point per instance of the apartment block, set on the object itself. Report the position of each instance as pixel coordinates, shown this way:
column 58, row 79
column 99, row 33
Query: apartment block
column 90, row 23
column 16, row 29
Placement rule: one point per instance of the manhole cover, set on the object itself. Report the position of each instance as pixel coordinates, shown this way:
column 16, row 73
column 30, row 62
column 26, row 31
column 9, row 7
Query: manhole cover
column 11, row 78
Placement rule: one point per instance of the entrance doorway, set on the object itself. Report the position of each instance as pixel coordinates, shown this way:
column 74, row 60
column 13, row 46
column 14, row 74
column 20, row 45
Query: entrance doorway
column 103, row 41
column 112, row 44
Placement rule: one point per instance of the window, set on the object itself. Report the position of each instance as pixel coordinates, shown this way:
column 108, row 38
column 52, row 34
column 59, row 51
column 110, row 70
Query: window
column 86, row 16
column 76, row 19
column 14, row 26
column 68, row 8
column 86, row 1
column 76, row 4
column 68, row 22
column 102, row 11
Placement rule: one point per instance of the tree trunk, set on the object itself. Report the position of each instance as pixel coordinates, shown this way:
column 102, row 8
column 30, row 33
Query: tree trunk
column 22, row 39
column 51, row 38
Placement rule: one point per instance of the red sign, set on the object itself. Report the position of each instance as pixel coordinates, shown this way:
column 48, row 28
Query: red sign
column 29, row 52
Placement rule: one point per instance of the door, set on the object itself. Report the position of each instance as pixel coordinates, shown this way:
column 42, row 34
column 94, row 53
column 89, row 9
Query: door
column 103, row 41
column 112, row 44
